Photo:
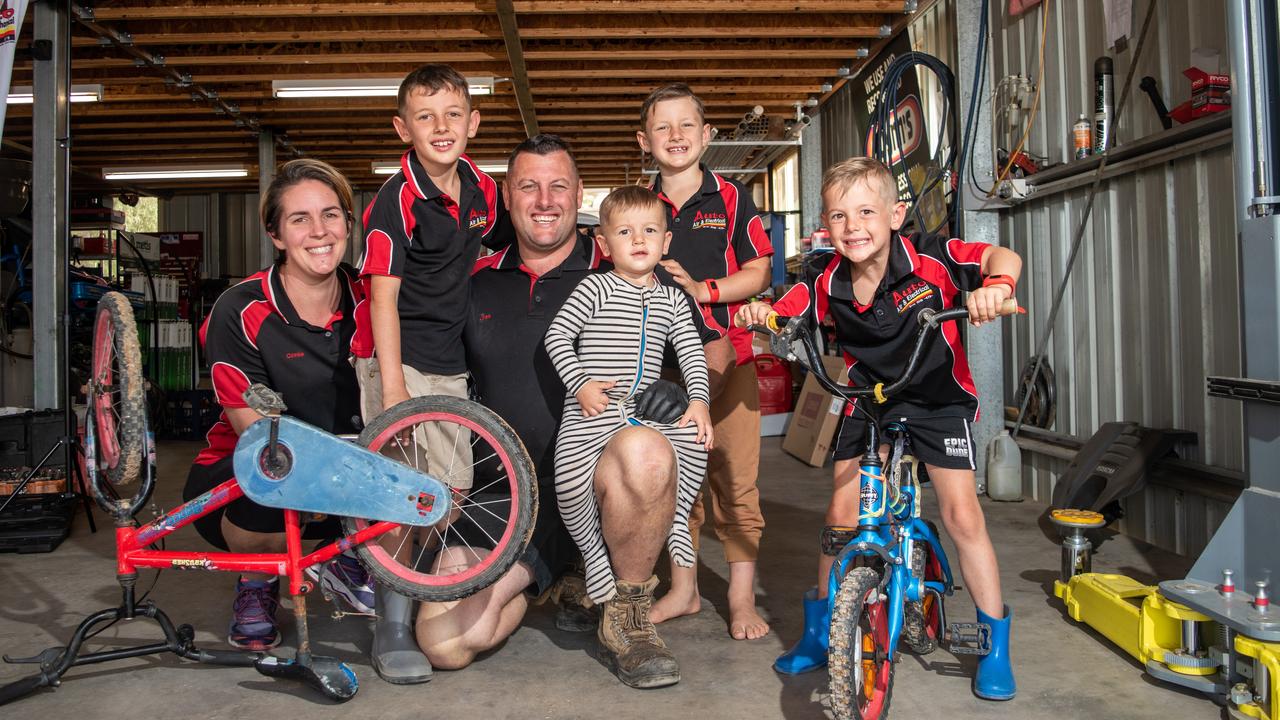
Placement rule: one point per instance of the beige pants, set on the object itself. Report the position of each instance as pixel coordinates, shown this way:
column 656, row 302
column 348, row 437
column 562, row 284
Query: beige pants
column 732, row 468
column 442, row 449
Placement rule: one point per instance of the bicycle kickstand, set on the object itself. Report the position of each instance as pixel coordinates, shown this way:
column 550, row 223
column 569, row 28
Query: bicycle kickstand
column 329, row 675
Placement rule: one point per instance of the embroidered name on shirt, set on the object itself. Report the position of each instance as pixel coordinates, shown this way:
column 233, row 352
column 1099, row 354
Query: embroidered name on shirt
column 904, row 299
column 477, row 220
column 485, row 316
column 294, row 355
column 709, row 221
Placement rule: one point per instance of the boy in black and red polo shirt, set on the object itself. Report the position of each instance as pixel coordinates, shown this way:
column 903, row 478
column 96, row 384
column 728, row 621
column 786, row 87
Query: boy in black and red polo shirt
column 423, row 232
column 873, row 287
column 720, row 254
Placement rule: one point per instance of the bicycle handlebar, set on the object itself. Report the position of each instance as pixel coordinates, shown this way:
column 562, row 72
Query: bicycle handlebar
column 787, row 329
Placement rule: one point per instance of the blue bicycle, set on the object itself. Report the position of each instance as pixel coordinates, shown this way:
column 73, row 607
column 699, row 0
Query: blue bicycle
column 890, row 576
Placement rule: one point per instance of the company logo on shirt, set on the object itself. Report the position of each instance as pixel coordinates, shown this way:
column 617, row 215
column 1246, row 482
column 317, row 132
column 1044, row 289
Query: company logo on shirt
column 485, row 316
column 477, row 220
column 709, row 221
column 294, row 355
column 904, row 299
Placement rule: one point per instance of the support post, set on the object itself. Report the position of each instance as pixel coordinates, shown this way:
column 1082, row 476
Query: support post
column 266, row 173
column 49, row 202
column 984, row 345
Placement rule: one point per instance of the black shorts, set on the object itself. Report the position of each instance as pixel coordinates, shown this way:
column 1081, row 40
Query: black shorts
column 944, row 442
column 550, row 552
column 243, row 513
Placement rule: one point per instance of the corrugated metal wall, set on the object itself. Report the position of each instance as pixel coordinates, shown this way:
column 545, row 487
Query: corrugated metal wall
column 1152, row 306
column 231, row 229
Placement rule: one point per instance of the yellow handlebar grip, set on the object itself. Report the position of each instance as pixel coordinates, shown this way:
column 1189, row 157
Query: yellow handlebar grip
column 879, row 391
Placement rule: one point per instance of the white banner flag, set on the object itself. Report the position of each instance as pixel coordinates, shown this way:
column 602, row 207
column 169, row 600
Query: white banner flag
column 11, row 13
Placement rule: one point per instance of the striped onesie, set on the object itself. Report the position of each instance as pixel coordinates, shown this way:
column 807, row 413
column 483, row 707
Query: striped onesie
column 621, row 332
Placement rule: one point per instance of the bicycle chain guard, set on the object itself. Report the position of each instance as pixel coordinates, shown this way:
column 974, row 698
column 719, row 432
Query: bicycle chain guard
column 330, row 476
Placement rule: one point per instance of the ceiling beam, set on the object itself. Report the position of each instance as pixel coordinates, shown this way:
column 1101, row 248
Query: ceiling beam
column 199, row 10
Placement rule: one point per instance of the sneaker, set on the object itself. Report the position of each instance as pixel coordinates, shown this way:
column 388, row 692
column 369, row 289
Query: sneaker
column 346, row 578
column 253, row 625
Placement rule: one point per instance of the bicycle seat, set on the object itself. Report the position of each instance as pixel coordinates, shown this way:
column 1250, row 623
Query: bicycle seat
column 1066, row 518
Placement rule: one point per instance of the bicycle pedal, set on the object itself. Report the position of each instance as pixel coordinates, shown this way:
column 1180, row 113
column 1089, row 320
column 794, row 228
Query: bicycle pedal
column 970, row 638
column 835, row 538
column 42, row 658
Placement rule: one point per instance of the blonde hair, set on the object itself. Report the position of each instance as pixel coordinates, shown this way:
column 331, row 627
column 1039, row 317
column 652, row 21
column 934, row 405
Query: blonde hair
column 847, row 173
column 630, row 197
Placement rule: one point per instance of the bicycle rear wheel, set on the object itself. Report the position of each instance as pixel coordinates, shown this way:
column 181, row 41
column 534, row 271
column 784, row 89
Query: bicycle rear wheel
column 922, row 620
column 491, row 522
column 116, row 392
column 861, row 672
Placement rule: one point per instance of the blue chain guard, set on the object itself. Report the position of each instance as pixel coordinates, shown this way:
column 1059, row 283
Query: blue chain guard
column 332, row 476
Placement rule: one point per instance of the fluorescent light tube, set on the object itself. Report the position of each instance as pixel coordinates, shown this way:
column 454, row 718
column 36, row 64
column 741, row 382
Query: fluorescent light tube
column 195, row 172
column 79, row 94
column 359, row 87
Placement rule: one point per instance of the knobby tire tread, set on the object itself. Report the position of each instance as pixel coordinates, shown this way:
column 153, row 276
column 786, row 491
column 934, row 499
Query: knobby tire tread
column 131, row 425
column 849, row 606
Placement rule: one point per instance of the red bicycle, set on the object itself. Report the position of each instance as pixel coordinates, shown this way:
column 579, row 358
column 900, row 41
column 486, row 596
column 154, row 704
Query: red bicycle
column 395, row 512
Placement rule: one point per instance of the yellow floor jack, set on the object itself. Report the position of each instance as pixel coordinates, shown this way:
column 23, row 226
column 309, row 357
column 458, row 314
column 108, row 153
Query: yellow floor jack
column 1174, row 642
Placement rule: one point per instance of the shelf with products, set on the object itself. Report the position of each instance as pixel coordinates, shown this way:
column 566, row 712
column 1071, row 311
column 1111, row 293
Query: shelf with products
column 110, row 258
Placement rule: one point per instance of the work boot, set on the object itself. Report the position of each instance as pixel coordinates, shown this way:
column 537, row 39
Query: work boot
column 575, row 612
column 810, row 651
column 994, row 680
column 395, row 652
column 629, row 643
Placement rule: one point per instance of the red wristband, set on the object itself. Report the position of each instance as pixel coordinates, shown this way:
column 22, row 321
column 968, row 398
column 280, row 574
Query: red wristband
column 713, row 291
column 990, row 280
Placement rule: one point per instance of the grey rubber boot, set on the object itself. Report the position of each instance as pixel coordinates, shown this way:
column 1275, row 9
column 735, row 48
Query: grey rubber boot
column 395, row 652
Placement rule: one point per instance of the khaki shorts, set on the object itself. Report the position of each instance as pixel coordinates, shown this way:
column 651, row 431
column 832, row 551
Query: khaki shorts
column 441, row 449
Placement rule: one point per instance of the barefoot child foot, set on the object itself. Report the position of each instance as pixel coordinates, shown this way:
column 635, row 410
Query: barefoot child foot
column 682, row 599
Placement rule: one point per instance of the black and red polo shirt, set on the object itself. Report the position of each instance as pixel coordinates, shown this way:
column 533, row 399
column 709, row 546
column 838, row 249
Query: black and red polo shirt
column 511, row 309
column 415, row 232
column 716, row 232
column 254, row 335
column 924, row 271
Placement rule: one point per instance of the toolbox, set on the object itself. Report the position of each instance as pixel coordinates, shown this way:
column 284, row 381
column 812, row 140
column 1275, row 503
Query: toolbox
column 36, row 523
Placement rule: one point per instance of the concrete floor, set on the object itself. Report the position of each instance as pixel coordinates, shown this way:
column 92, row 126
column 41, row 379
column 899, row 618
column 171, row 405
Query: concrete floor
column 1064, row 670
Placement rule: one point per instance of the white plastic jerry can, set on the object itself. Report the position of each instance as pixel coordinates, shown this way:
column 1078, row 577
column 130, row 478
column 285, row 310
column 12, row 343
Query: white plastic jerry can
column 1004, row 468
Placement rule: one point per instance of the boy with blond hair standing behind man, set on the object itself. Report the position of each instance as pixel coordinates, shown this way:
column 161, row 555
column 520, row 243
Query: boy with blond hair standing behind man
column 720, row 256
column 423, row 233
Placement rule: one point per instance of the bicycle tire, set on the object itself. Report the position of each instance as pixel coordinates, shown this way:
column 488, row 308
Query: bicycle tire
column 860, row 686
column 116, row 392
column 922, row 619
column 515, row 475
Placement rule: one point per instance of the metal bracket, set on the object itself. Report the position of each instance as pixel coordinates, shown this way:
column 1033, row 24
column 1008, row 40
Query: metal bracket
column 1267, row 391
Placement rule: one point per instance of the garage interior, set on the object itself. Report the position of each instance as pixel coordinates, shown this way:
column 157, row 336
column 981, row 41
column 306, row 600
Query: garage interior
column 1149, row 348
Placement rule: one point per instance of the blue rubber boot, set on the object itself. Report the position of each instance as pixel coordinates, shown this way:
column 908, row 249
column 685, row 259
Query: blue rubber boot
column 994, row 680
column 810, row 651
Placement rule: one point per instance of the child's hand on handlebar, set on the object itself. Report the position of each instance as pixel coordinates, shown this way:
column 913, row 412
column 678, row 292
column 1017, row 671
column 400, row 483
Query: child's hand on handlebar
column 592, row 398
column 756, row 313
column 699, row 415
column 988, row 303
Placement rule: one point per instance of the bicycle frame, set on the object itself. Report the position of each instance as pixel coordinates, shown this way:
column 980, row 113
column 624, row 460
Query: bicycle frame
column 889, row 526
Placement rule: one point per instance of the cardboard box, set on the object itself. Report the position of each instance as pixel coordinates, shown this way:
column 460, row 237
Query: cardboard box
column 813, row 422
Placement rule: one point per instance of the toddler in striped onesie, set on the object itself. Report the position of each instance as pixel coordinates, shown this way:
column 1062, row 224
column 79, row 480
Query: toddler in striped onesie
column 607, row 344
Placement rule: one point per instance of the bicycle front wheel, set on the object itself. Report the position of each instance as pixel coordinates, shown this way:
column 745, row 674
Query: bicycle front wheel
column 860, row 668
column 116, row 392
column 490, row 522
